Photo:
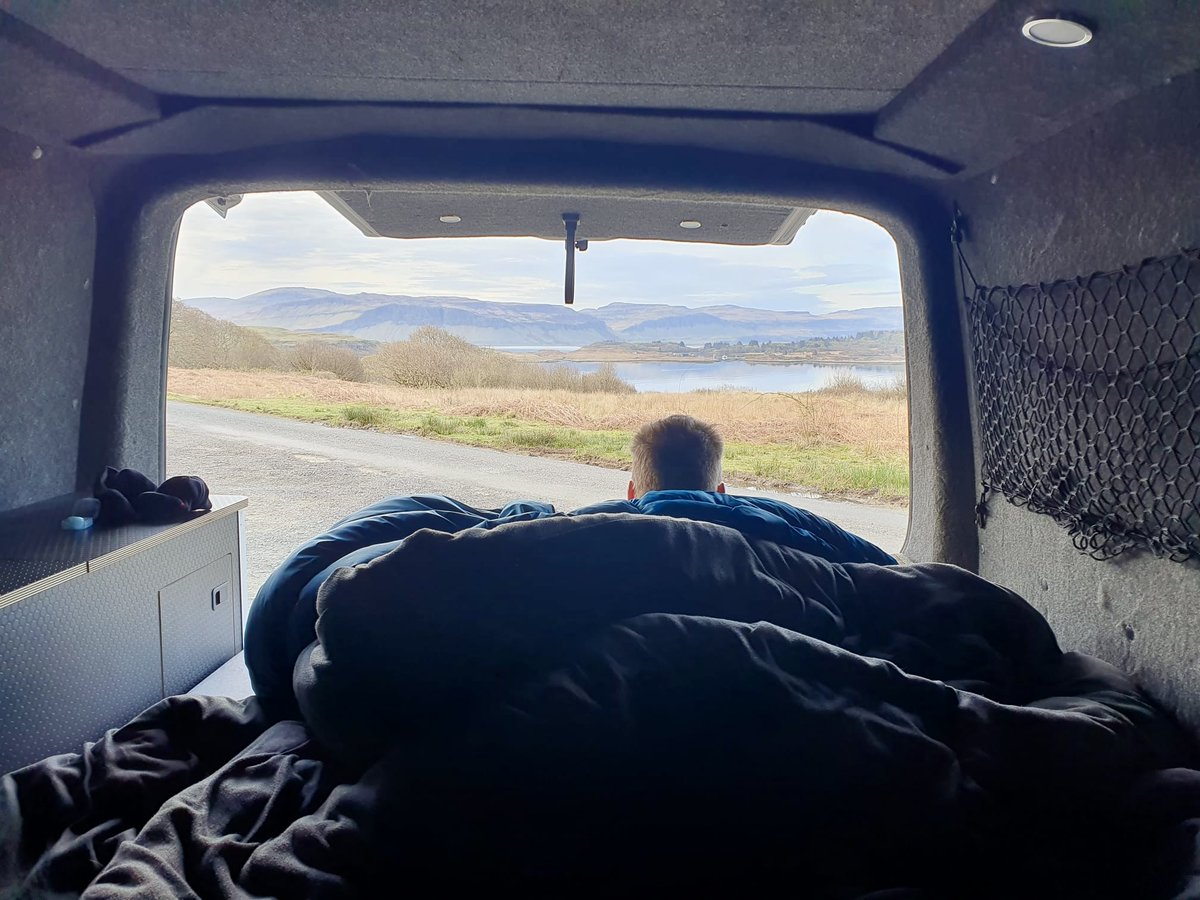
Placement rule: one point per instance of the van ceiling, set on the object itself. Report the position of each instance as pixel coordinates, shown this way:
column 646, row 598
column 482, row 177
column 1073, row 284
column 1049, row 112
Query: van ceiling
column 924, row 89
column 796, row 58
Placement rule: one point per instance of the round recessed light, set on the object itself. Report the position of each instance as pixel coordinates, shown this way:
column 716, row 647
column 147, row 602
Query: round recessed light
column 1054, row 31
column 450, row 220
column 689, row 223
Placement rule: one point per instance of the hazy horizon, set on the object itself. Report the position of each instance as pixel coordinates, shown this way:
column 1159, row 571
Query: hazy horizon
column 302, row 287
column 836, row 263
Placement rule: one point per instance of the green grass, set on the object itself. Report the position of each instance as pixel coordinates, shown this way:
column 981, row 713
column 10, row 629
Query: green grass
column 836, row 470
column 366, row 416
column 839, row 470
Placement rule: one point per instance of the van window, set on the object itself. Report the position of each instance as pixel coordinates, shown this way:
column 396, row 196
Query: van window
column 316, row 370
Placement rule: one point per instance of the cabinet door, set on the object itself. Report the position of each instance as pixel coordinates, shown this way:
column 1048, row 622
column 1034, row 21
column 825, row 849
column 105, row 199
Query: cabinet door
column 198, row 618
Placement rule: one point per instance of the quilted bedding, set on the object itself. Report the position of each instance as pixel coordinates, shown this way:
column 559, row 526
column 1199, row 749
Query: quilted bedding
column 577, row 704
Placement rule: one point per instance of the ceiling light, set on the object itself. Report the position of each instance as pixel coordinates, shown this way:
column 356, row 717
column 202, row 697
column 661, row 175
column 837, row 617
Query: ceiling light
column 450, row 220
column 1053, row 31
column 689, row 223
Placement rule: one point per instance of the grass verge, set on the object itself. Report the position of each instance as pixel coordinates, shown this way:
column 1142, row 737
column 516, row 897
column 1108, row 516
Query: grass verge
column 871, row 472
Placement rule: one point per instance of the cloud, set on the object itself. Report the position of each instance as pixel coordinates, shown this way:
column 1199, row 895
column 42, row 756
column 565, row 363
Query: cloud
column 296, row 239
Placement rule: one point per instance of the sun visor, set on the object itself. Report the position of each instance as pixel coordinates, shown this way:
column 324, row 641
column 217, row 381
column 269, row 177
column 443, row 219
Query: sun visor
column 408, row 214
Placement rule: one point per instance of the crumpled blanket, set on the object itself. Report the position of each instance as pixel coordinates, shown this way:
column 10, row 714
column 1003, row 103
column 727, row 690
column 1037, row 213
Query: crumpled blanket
column 283, row 618
column 611, row 702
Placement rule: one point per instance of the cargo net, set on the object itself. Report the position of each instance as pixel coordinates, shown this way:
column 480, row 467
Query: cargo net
column 1087, row 395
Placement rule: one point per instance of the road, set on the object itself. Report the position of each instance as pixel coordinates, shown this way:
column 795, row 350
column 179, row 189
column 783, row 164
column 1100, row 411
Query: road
column 301, row 478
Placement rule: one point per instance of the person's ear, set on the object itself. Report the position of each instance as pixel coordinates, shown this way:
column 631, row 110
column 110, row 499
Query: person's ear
column 721, row 488
column 632, row 493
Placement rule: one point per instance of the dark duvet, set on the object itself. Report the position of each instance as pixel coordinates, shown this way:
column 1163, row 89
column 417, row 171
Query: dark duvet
column 603, row 703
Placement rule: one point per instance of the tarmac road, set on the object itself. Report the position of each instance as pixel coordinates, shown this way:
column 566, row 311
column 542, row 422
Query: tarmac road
column 301, row 478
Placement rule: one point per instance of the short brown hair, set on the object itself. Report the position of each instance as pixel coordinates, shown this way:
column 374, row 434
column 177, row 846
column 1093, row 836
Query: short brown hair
column 677, row 453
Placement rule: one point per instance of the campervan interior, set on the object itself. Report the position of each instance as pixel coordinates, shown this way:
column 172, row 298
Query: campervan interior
column 615, row 702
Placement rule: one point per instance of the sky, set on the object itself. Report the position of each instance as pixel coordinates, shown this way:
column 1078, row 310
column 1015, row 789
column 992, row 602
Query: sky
column 296, row 239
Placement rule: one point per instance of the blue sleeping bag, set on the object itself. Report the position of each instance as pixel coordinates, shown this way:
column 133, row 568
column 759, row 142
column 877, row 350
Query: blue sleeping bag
column 758, row 517
column 282, row 620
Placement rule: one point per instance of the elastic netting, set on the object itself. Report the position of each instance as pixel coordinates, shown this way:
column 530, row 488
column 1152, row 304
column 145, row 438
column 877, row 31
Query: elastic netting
column 1087, row 392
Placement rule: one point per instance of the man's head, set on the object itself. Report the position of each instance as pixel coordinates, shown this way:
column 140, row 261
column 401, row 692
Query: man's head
column 676, row 453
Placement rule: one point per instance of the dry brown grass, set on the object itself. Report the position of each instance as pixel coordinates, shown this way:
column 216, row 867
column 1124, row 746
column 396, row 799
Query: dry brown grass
column 846, row 415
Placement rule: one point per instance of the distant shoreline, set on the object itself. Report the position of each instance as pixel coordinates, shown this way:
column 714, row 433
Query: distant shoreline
column 859, row 350
column 587, row 355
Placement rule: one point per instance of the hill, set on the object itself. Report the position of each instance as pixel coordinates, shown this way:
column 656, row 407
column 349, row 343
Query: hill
column 286, row 339
column 392, row 317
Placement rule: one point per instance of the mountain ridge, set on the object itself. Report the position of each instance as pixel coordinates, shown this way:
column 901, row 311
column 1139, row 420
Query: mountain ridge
column 390, row 317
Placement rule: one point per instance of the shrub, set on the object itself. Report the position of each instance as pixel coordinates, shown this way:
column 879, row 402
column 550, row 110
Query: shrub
column 896, row 389
column 606, row 380
column 844, row 384
column 313, row 356
column 434, row 358
column 199, row 341
column 431, row 357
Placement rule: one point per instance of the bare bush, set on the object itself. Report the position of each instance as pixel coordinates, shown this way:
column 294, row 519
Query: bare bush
column 199, row 341
column 845, row 384
column 434, row 358
column 429, row 358
column 311, row 357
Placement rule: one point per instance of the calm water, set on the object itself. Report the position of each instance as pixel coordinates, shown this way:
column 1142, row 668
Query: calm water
column 687, row 376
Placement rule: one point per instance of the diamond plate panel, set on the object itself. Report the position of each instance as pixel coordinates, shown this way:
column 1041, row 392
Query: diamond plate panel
column 84, row 656
column 17, row 573
column 34, row 535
